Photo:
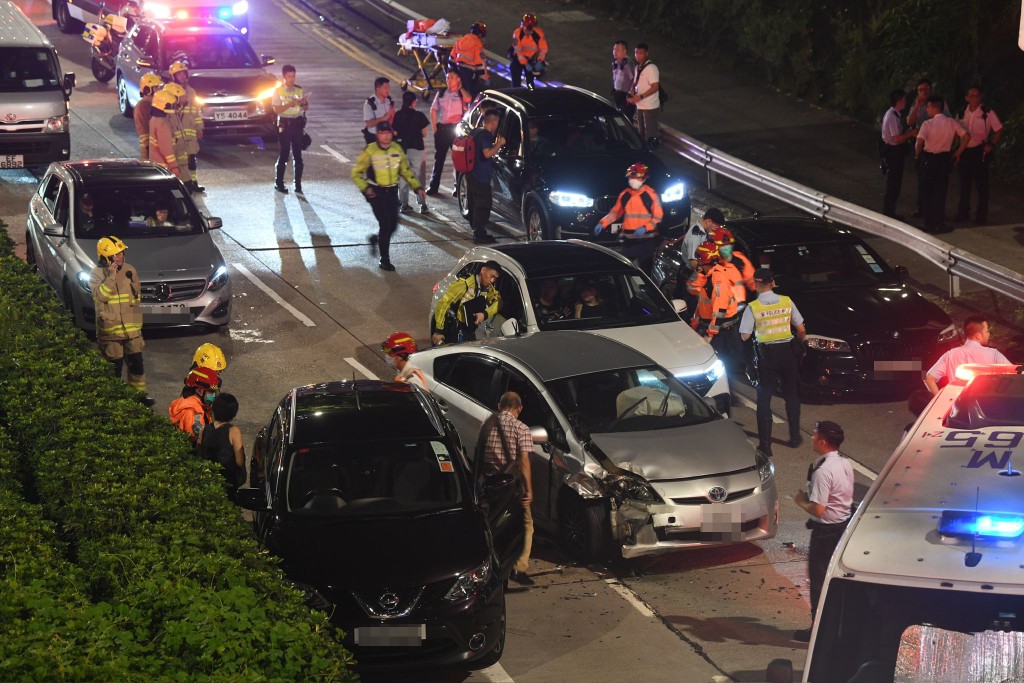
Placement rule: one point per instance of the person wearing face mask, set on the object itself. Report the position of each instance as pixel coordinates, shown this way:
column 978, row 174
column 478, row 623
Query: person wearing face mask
column 191, row 411
column 639, row 210
column 398, row 347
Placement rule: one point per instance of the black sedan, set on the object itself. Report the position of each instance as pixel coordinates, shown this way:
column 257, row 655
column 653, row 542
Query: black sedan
column 364, row 490
column 564, row 162
column 868, row 331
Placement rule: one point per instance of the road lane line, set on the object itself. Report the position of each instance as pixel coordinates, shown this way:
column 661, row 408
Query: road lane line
column 273, row 295
column 630, row 597
column 361, row 368
column 337, row 155
column 870, row 474
column 753, row 406
column 492, row 674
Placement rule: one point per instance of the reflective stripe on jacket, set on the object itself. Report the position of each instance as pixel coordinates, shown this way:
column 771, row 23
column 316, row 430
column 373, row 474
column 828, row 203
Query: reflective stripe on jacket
column 637, row 209
column 383, row 167
column 529, row 45
column 772, row 321
column 191, row 121
column 161, row 142
column 141, row 115
column 723, row 297
column 456, row 294
column 469, row 51
column 118, row 302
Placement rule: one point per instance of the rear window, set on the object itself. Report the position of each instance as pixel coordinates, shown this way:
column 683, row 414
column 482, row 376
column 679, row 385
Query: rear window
column 28, row 68
column 398, row 414
column 135, row 211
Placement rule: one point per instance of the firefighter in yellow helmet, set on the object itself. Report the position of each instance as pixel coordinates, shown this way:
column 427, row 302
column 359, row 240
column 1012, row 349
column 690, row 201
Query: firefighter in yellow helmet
column 191, row 121
column 117, row 298
column 178, row 131
column 161, row 135
column 210, row 356
column 149, row 84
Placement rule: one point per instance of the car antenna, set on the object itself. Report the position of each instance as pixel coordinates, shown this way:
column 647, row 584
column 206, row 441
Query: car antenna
column 972, row 558
column 355, row 390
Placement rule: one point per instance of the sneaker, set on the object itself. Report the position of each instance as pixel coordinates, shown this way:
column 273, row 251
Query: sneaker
column 406, row 208
column 424, row 209
column 796, row 441
column 281, row 188
column 522, row 578
column 484, row 239
column 802, row 636
column 386, row 265
column 373, row 239
column 431, row 192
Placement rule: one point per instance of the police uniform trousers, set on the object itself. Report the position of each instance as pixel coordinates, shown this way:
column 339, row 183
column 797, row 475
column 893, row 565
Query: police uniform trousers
column 289, row 132
column 728, row 345
column 479, row 204
column 385, row 210
column 973, row 171
column 778, row 366
column 895, row 157
column 627, row 109
column 936, row 169
column 443, row 139
column 824, row 539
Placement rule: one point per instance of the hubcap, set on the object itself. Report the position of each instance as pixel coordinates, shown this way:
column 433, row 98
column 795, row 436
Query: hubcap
column 533, row 227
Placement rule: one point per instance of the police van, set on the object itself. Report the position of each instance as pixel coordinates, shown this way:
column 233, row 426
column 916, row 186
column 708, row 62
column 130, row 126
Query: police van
column 927, row 583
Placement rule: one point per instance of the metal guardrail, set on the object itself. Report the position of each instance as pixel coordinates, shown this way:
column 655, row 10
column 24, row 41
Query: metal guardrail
column 955, row 262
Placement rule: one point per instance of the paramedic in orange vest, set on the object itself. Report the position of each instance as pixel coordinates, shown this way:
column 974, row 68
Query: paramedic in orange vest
column 706, row 256
column 734, row 260
column 529, row 51
column 191, row 411
column 468, row 59
column 399, row 346
column 716, row 284
column 639, row 209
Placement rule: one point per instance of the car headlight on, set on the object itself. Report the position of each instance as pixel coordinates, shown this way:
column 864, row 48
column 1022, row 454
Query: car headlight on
column 268, row 93
column 716, row 370
column 470, row 583
column 57, row 124
column 816, row 342
column 571, row 199
column 218, row 279
column 948, row 334
column 765, row 466
column 83, row 278
column 674, row 193
column 240, row 8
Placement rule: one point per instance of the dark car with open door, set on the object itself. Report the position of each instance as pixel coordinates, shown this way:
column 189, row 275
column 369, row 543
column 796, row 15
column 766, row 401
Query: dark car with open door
column 365, row 491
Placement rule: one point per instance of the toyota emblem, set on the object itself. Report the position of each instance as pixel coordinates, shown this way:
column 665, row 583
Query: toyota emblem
column 11, row 118
column 389, row 601
column 716, row 494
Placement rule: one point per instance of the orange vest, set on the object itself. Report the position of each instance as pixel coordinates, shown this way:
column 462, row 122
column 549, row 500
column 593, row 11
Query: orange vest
column 469, row 51
column 527, row 46
column 188, row 415
column 744, row 275
column 716, row 301
column 637, row 209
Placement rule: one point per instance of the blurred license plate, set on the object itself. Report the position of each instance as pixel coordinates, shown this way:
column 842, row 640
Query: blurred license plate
column 230, row 115
column 897, row 365
column 166, row 314
column 12, row 161
column 724, row 522
column 391, row 636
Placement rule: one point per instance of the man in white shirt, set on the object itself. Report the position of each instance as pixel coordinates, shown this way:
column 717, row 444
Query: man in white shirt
column 985, row 130
column 935, row 149
column 974, row 350
column 646, row 97
column 895, row 152
column 378, row 108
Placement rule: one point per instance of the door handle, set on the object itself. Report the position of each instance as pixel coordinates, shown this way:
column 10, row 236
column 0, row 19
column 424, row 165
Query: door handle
column 442, row 405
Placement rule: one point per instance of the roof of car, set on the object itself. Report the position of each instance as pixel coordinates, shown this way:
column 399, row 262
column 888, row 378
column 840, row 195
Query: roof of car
column 565, row 100
column 116, row 171
column 207, row 25
column 552, row 258
column 788, row 230
column 362, row 409
column 583, row 353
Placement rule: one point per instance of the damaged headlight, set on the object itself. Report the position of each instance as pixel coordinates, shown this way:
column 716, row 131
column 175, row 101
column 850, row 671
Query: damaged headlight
column 631, row 488
column 765, row 466
column 470, row 583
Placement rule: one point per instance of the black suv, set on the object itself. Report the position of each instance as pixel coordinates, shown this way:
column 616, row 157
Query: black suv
column 365, row 491
column 565, row 162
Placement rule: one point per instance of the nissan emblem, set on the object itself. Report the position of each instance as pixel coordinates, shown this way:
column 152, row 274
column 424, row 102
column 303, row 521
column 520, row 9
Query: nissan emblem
column 389, row 601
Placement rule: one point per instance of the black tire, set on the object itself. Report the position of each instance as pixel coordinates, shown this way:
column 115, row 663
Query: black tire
column 65, row 22
column 100, row 72
column 536, row 224
column 492, row 657
column 463, row 196
column 30, row 254
column 584, row 528
column 122, row 98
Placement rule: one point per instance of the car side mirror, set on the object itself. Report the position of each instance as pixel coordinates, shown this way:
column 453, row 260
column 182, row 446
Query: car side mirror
column 267, row 60
column 539, row 435
column 679, row 305
column 213, row 222
column 252, row 499
column 53, row 230
column 144, row 63
column 69, row 81
column 902, row 274
column 510, row 328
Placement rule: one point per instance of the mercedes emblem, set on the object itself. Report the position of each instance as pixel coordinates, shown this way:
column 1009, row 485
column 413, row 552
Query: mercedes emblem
column 716, row 494
column 163, row 292
column 389, row 601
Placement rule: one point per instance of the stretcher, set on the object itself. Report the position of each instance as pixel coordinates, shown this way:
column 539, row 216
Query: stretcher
column 430, row 50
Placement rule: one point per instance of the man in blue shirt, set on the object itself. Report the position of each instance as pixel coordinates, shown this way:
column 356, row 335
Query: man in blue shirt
column 478, row 182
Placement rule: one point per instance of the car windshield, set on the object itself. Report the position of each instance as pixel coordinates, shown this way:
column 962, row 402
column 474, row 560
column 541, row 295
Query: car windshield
column 132, row 211
column 628, row 400
column 27, row 68
column 581, row 135
column 595, row 301
column 213, row 52
column 373, row 478
column 899, row 633
column 828, row 264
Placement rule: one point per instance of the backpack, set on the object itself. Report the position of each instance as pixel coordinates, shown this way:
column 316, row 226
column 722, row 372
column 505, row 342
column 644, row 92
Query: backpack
column 464, row 154
column 662, row 93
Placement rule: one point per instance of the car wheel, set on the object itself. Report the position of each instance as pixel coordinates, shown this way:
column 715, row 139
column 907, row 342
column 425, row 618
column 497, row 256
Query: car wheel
column 463, row 195
column 30, row 254
column 584, row 528
column 494, row 654
column 536, row 224
column 65, row 22
column 122, row 98
column 101, row 73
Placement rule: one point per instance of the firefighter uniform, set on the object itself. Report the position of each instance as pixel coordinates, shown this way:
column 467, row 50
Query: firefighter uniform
column 640, row 212
column 142, row 112
column 161, row 143
column 117, row 297
column 191, row 129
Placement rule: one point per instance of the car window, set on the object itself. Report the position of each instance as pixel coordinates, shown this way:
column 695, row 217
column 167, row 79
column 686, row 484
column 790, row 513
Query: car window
column 628, row 400
column 581, row 135
column 51, row 189
column 28, row 68
column 473, row 376
column 133, row 211
column 511, row 300
column 826, row 265
column 443, row 368
column 373, row 477
column 476, row 116
column 141, row 37
column 536, row 412
column 594, row 301
column 60, row 213
column 212, row 51
column 513, row 134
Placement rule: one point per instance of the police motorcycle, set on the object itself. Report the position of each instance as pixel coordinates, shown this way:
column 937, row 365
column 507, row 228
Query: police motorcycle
column 105, row 38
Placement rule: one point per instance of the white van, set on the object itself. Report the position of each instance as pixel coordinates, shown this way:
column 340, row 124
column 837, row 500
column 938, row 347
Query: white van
column 927, row 583
column 34, row 125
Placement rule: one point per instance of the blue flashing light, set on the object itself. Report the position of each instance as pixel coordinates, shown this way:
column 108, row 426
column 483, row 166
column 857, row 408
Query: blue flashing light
column 224, row 13
column 981, row 525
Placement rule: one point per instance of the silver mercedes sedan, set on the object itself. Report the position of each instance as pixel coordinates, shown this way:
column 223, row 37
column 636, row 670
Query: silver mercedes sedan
column 635, row 462
column 183, row 275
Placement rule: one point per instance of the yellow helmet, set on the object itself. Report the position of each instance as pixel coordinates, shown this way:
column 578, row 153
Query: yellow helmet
column 164, row 101
column 149, row 82
column 178, row 67
column 109, row 246
column 210, row 356
column 175, row 89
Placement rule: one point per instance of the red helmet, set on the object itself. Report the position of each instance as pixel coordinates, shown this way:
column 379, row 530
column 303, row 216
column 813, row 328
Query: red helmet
column 529, row 20
column 638, row 171
column 479, row 29
column 722, row 236
column 399, row 344
column 706, row 253
column 203, row 378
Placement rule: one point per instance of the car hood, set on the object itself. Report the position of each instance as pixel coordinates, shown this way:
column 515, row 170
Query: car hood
column 367, row 553
column 700, row 450
column 163, row 258
column 230, row 82
column 674, row 346
column 34, row 104
column 599, row 174
column 858, row 312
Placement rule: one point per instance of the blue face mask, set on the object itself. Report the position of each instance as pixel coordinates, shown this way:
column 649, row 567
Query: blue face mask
column 725, row 251
column 210, row 397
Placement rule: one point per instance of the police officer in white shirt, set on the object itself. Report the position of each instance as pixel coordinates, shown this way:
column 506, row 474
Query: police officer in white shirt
column 829, row 502
column 935, row 149
column 985, row 130
column 974, row 350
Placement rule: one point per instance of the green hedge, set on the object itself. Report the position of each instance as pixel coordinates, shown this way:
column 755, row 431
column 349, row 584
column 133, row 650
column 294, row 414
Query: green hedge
column 122, row 557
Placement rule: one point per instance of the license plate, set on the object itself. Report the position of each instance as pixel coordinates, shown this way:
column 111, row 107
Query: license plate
column 12, row 161
column 724, row 522
column 897, row 366
column 166, row 314
column 411, row 635
column 230, row 115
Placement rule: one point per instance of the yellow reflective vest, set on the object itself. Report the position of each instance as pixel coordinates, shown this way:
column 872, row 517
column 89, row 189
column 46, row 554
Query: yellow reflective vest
column 117, row 297
column 460, row 292
column 383, row 168
column 772, row 321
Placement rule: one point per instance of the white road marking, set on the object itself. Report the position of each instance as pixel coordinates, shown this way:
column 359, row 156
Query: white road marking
column 337, row 155
column 753, row 406
column 870, row 474
column 403, row 9
column 361, row 368
column 492, row 674
column 274, row 295
column 630, row 597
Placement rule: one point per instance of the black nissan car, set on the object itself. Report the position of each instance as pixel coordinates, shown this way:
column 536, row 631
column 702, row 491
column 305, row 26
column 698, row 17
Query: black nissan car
column 364, row 490
column 564, row 162
column 867, row 330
